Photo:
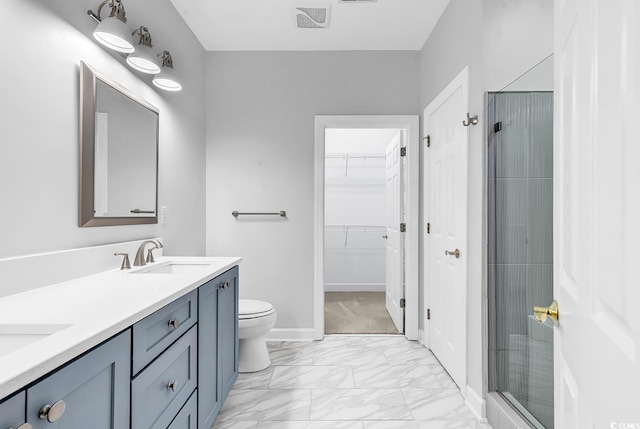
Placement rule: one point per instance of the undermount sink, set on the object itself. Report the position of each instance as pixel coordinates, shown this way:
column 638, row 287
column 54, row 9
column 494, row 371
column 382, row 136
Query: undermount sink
column 173, row 268
column 14, row 336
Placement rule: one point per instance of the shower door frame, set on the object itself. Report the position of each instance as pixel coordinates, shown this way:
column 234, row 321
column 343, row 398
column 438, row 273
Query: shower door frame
column 510, row 410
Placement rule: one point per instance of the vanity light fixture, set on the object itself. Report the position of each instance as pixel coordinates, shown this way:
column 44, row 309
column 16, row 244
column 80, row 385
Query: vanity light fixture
column 112, row 31
column 143, row 59
column 166, row 78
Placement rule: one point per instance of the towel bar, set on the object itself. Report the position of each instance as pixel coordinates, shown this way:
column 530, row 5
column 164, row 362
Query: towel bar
column 282, row 213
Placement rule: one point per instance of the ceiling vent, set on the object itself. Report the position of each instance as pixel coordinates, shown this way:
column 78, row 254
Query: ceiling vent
column 310, row 15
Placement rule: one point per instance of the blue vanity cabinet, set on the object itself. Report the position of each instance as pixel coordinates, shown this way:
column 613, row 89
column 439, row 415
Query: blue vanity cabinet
column 217, row 344
column 160, row 391
column 90, row 392
column 12, row 411
column 156, row 332
column 228, row 329
column 209, row 389
column 187, row 418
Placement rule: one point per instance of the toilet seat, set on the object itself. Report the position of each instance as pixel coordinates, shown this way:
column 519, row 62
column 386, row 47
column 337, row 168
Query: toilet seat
column 254, row 309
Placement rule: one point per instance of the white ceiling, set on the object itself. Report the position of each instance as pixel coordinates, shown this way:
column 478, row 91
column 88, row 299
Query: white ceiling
column 268, row 25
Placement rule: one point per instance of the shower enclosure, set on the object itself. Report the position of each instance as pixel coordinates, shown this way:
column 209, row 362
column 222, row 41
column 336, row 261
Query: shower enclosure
column 520, row 257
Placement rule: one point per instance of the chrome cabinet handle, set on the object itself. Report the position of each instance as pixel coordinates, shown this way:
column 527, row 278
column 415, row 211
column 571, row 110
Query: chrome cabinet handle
column 53, row 412
column 174, row 323
column 173, row 386
column 455, row 253
column 224, row 285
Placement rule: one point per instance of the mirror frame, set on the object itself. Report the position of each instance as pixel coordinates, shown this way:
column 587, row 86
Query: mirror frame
column 88, row 81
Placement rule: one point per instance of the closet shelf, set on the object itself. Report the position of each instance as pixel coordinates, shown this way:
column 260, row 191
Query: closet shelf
column 347, row 156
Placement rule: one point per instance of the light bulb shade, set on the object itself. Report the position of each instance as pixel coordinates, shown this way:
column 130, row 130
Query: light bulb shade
column 114, row 34
column 143, row 59
column 166, row 80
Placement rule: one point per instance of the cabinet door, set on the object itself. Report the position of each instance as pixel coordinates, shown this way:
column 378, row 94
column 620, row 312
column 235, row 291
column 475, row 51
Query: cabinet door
column 228, row 330
column 209, row 390
column 94, row 388
column 186, row 418
column 12, row 411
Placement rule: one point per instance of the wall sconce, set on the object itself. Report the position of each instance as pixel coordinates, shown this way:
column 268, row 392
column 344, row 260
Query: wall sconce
column 166, row 78
column 112, row 32
column 143, row 59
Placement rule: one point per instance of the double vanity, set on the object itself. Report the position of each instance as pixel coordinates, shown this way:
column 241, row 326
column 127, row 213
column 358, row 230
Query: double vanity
column 147, row 348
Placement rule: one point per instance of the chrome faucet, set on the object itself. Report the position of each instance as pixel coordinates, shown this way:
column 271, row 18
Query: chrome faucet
column 139, row 260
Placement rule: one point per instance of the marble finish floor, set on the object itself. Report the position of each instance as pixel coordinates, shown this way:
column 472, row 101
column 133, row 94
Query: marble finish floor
column 348, row 382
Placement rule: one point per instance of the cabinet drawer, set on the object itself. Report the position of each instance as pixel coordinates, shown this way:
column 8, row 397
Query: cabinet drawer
column 157, row 331
column 160, row 391
column 12, row 411
column 187, row 417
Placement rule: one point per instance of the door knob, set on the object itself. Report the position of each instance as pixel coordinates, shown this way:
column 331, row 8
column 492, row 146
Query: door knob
column 551, row 311
column 385, row 236
column 455, row 253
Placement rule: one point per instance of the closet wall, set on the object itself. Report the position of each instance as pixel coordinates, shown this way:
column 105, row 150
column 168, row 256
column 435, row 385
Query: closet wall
column 355, row 204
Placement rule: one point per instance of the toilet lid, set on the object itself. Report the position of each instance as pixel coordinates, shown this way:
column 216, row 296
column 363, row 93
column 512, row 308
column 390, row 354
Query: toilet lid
column 252, row 307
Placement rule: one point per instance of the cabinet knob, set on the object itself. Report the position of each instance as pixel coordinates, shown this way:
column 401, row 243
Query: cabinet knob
column 224, row 285
column 53, row 412
column 174, row 323
column 173, row 386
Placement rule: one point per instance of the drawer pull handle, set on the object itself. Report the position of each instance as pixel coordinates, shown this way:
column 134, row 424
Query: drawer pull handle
column 173, row 386
column 53, row 412
column 174, row 323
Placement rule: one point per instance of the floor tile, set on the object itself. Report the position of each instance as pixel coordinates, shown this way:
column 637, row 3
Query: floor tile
column 254, row 380
column 419, row 424
column 358, row 404
column 222, row 424
column 390, row 377
column 310, row 425
column 409, row 356
column 311, row 377
column 349, row 356
column 443, row 377
column 380, row 341
column 256, row 405
column 437, row 404
column 299, row 355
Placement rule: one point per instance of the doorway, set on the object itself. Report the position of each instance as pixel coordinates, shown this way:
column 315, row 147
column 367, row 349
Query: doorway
column 354, row 243
column 363, row 249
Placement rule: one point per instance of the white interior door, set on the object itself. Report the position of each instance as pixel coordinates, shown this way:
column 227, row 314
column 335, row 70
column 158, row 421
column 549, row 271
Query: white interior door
column 596, row 208
column 394, row 272
column 446, row 243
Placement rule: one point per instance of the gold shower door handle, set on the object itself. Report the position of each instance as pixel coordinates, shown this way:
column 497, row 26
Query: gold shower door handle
column 455, row 253
column 551, row 311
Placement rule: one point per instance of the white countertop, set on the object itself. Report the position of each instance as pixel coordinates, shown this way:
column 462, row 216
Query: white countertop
column 95, row 307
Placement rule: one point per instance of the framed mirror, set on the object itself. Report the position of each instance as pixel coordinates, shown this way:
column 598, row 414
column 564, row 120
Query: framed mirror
column 118, row 154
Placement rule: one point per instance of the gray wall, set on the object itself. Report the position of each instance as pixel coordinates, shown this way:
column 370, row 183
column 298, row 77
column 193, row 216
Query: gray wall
column 260, row 155
column 39, row 122
column 453, row 45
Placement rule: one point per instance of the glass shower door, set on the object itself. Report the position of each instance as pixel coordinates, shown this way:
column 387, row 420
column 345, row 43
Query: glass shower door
column 521, row 250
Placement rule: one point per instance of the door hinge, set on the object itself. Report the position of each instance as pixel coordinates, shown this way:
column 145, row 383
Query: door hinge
column 403, row 227
column 403, row 303
column 428, row 228
column 497, row 127
column 403, row 151
column 428, row 141
column 428, row 314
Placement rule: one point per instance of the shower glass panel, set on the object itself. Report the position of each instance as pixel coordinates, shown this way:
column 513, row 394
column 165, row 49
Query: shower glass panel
column 520, row 169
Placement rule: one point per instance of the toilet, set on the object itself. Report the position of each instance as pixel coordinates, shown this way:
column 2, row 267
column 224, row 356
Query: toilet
column 255, row 319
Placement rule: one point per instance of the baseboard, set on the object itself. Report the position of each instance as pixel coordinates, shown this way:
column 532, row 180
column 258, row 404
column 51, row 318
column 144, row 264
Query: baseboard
column 355, row 287
column 305, row 334
column 476, row 404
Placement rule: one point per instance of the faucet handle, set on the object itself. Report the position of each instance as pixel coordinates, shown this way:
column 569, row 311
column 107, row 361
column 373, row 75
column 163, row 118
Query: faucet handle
column 150, row 259
column 125, row 261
